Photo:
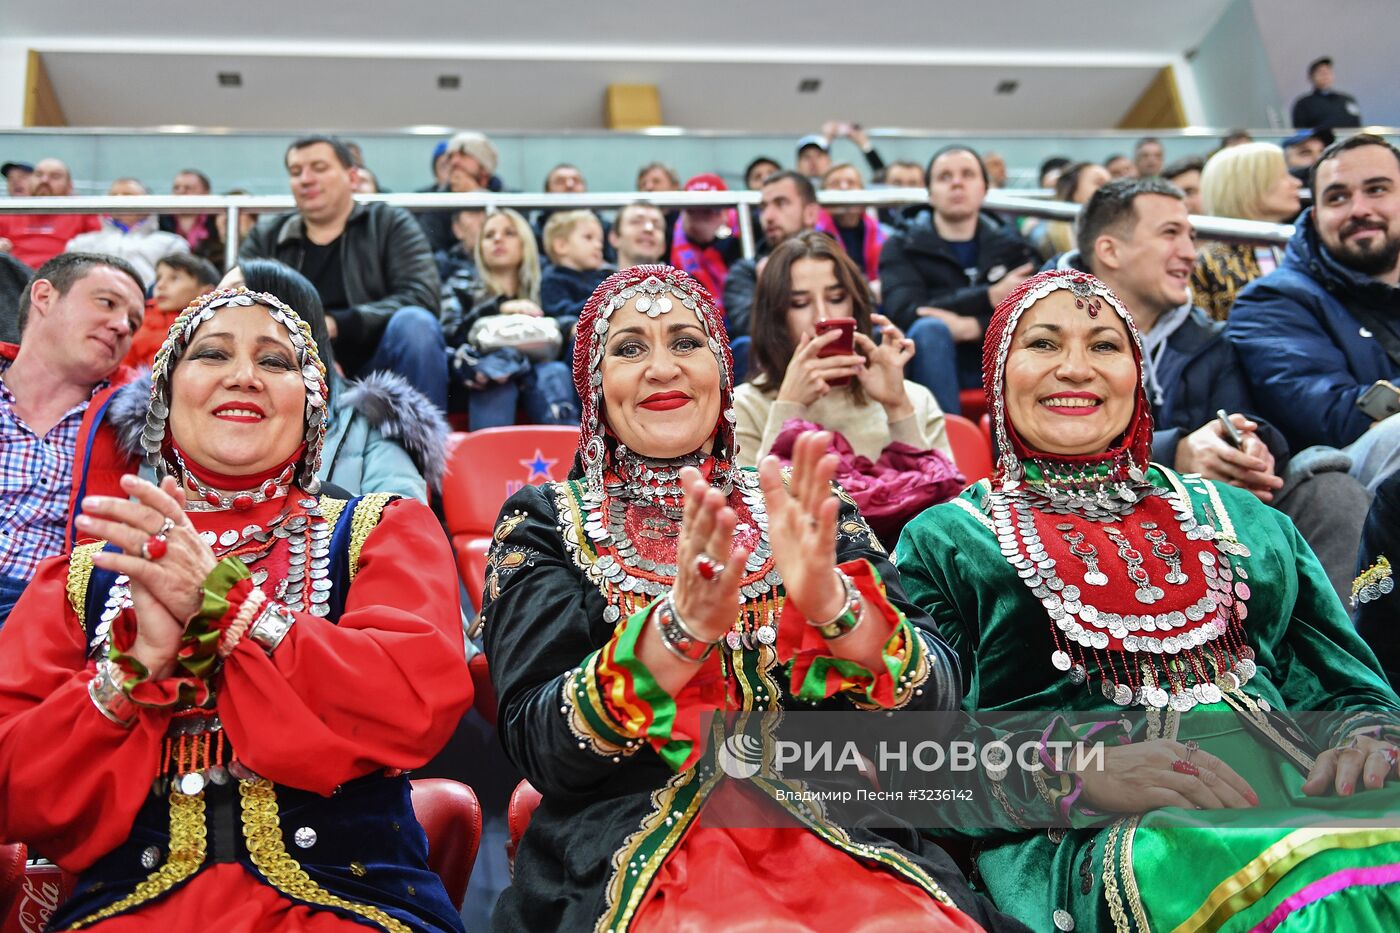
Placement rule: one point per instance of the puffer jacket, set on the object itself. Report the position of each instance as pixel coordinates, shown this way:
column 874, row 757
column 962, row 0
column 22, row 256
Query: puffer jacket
column 1308, row 358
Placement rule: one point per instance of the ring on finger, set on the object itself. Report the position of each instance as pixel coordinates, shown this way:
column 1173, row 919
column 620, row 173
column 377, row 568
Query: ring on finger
column 708, row 568
column 1391, row 755
column 1192, row 747
column 1182, row 766
column 164, row 529
column 153, row 548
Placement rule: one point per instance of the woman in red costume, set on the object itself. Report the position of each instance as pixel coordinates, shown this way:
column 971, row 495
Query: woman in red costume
column 206, row 712
column 662, row 582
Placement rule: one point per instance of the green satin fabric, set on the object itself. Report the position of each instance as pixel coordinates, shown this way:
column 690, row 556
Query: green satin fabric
column 1309, row 658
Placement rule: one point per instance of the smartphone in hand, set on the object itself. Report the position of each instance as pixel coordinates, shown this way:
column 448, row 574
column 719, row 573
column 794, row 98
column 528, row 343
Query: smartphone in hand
column 1232, row 434
column 1380, row 401
column 843, row 345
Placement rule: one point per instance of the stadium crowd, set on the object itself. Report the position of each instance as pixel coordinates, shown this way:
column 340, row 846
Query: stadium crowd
column 1264, row 375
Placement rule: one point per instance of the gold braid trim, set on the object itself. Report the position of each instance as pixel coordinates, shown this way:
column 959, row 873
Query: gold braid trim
column 1111, row 894
column 1130, row 886
column 187, row 851
column 79, row 573
column 364, row 521
column 263, row 833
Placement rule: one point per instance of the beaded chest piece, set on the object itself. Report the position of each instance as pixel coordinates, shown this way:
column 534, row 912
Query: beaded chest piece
column 631, row 505
column 1140, row 594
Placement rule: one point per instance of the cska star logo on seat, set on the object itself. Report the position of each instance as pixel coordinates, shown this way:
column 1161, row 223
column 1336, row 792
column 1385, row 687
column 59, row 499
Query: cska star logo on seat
column 537, row 470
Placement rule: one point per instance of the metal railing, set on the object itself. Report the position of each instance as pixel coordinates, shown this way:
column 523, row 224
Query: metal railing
column 1023, row 202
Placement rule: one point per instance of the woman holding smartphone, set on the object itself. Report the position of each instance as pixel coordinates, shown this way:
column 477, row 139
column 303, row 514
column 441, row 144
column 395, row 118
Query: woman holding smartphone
column 814, row 362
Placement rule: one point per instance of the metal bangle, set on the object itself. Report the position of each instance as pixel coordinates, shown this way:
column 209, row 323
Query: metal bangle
column 677, row 636
column 271, row 626
column 848, row 619
column 109, row 698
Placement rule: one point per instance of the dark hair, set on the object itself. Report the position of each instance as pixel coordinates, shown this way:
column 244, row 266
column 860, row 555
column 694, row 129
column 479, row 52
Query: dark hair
column 1191, row 163
column 1146, row 140
column 545, row 186
column 203, row 178
column 948, row 150
column 1068, row 181
column 761, row 160
column 1318, row 63
column 1233, row 135
column 806, row 193
column 67, row 269
column 670, row 172
column 907, row 163
column 342, row 151
column 1051, row 164
column 1109, row 160
column 280, row 279
column 196, row 267
column 1340, row 146
column 1111, row 208
column 773, row 343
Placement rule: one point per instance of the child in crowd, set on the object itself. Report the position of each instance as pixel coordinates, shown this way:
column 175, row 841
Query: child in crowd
column 573, row 240
column 180, row 279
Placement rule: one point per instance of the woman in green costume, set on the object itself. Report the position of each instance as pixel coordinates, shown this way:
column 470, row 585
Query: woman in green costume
column 1247, row 790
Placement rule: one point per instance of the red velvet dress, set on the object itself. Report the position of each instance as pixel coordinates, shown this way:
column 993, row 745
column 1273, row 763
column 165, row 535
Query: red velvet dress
column 382, row 688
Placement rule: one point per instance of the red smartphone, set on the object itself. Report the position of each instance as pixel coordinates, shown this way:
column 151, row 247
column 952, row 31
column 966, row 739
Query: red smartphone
column 843, row 345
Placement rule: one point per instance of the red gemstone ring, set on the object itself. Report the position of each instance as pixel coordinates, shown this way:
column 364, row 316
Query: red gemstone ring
column 154, row 548
column 1182, row 766
column 708, row 567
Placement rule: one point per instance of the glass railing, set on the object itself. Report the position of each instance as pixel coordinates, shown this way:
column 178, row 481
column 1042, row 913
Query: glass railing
column 1023, row 203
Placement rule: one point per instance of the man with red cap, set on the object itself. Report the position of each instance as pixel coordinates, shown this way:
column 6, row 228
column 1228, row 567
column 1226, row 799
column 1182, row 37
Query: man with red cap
column 704, row 243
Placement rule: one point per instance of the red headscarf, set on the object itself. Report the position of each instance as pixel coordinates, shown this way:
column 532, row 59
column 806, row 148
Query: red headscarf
column 1132, row 450
column 680, row 293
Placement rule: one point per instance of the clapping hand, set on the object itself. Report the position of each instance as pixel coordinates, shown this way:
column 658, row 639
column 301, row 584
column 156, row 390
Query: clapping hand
column 162, row 554
column 708, row 605
column 802, row 525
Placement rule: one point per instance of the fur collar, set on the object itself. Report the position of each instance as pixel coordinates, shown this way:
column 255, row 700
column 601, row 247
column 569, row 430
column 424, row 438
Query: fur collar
column 392, row 406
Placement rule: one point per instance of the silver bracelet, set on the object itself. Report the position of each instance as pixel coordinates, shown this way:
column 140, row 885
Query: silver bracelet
column 271, row 626
column 677, row 636
column 847, row 620
column 109, row 697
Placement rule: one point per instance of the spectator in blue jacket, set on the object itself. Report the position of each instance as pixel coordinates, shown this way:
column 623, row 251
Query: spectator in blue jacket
column 573, row 240
column 1324, row 327
column 1135, row 235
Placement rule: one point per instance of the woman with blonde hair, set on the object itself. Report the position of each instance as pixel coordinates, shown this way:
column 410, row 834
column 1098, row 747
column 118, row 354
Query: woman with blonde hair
column 497, row 366
column 1251, row 182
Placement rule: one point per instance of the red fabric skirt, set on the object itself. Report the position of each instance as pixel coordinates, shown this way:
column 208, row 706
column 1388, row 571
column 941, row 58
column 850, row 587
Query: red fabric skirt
column 228, row 899
column 773, row 875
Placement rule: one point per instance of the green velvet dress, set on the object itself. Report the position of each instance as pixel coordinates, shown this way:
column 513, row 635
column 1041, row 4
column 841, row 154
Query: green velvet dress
column 1174, row 869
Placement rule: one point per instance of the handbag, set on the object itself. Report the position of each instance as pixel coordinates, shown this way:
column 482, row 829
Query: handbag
column 539, row 338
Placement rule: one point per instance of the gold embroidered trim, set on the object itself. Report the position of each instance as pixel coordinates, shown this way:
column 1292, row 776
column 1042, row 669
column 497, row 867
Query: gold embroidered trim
column 364, row 521
column 263, row 832
column 1111, row 894
column 660, row 814
column 1130, row 886
column 187, row 851
column 79, row 573
column 579, row 725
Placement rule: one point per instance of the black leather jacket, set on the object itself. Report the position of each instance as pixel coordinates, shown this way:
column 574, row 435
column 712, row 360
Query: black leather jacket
column 386, row 263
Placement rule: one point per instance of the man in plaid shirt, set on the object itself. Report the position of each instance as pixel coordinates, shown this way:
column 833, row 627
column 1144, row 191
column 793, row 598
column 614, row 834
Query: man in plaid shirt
column 76, row 320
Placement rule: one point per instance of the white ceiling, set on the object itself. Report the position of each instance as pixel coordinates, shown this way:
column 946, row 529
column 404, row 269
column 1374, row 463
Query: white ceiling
column 545, row 64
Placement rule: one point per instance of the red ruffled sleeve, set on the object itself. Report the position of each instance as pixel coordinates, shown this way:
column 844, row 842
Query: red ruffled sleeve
column 382, row 688
column 71, row 780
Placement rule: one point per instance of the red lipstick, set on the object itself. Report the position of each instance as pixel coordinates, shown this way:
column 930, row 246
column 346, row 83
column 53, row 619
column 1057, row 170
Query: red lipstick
column 665, row 401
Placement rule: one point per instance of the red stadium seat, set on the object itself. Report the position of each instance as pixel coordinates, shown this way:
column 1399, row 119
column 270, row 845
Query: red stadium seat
column 483, row 691
column 973, row 403
column 972, row 452
column 12, row 858
column 523, row 801
column 483, row 469
column 451, row 817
